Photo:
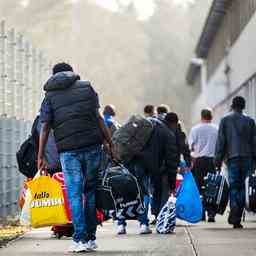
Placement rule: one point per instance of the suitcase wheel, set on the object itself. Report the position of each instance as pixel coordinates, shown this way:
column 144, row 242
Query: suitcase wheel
column 59, row 235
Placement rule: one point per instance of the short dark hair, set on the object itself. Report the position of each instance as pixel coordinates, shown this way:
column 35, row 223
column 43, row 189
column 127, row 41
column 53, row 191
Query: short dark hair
column 206, row 114
column 109, row 110
column 171, row 117
column 61, row 67
column 162, row 109
column 149, row 109
column 238, row 103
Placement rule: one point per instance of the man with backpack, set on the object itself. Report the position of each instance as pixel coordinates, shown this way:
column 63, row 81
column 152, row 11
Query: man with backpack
column 71, row 109
column 236, row 144
column 147, row 164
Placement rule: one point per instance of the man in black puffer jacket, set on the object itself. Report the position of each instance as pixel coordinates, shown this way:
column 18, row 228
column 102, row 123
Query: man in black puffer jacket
column 237, row 144
column 71, row 110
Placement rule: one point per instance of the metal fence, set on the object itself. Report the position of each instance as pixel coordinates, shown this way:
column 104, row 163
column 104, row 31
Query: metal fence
column 23, row 70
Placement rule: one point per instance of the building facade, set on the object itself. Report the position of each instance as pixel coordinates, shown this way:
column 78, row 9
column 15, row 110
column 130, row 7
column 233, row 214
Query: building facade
column 227, row 47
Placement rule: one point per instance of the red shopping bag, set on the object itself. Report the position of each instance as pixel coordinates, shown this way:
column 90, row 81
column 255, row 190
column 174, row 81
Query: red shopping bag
column 60, row 178
column 179, row 179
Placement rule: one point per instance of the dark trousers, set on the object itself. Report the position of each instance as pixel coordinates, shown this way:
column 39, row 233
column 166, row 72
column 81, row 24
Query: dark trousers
column 160, row 193
column 201, row 167
column 238, row 170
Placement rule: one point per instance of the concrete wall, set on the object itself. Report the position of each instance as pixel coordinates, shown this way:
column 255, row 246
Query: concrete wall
column 242, row 61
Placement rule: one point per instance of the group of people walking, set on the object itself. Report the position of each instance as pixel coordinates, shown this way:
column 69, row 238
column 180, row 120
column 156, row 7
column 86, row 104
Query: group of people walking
column 70, row 115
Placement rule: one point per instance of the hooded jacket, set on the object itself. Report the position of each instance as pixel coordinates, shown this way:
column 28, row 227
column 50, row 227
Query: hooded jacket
column 74, row 109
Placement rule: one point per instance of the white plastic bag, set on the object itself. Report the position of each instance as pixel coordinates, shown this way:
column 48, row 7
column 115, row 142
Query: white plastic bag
column 166, row 219
column 25, row 216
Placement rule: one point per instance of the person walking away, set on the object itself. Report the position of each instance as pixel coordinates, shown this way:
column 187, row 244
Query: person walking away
column 172, row 121
column 160, row 149
column 161, row 184
column 149, row 111
column 202, row 142
column 236, row 144
column 71, row 109
column 109, row 114
column 162, row 110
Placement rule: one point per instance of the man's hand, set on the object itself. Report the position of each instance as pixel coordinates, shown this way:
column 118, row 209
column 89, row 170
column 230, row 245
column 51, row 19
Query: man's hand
column 172, row 192
column 108, row 147
column 41, row 164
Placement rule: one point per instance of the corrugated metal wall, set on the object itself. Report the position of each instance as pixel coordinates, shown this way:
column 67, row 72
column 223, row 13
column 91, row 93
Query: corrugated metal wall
column 23, row 70
column 248, row 91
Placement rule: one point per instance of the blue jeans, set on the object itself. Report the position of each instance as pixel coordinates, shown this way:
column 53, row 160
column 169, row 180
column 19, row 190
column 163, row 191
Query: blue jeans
column 238, row 170
column 80, row 170
column 144, row 182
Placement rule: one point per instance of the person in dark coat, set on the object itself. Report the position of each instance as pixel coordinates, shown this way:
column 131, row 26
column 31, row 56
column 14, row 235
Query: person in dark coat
column 160, row 150
column 71, row 109
column 172, row 121
column 236, row 143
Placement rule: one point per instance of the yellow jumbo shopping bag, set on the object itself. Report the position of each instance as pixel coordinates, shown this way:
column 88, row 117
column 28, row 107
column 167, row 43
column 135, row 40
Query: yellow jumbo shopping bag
column 47, row 202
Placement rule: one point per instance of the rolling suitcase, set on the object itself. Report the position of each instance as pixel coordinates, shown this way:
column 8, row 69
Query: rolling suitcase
column 250, row 193
column 215, row 192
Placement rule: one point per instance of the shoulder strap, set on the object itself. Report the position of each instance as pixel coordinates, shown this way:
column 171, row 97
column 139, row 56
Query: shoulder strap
column 34, row 126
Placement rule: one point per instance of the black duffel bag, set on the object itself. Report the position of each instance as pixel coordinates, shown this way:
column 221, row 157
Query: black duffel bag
column 118, row 190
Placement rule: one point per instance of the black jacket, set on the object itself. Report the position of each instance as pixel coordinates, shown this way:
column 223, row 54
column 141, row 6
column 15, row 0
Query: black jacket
column 236, row 138
column 183, row 147
column 74, row 109
column 161, row 150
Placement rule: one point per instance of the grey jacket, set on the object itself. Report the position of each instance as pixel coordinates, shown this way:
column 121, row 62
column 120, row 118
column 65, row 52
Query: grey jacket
column 236, row 138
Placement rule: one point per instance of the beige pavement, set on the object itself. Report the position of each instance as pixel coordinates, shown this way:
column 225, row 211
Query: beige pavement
column 202, row 239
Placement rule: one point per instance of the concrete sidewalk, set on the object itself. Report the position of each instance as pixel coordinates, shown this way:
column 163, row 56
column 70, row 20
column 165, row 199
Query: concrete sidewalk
column 202, row 239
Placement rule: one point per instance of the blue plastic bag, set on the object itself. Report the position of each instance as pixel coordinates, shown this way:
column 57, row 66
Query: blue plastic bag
column 189, row 204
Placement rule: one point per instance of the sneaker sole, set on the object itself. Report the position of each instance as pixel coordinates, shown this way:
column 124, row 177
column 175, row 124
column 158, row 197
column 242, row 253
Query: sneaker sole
column 121, row 233
column 146, row 233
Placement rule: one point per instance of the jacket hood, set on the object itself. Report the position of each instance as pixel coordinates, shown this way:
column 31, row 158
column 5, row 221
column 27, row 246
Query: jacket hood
column 61, row 81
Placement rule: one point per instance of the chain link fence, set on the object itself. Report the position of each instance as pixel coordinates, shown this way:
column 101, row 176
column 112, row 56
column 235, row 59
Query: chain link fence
column 23, row 70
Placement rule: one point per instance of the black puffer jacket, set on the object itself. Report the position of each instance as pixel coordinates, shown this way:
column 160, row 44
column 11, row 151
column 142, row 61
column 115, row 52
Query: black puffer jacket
column 74, row 109
column 161, row 150
column 236, row 137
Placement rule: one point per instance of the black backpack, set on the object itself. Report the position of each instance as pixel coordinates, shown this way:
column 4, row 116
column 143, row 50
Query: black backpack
column 27, row 154
column 130, row 139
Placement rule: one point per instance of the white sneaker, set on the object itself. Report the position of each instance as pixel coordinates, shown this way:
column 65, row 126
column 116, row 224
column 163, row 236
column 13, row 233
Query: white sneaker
column 144, row 229
column 73, row 246
column 78, row 247
column 92, row 245
column 82, row 247
column 121, row 230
